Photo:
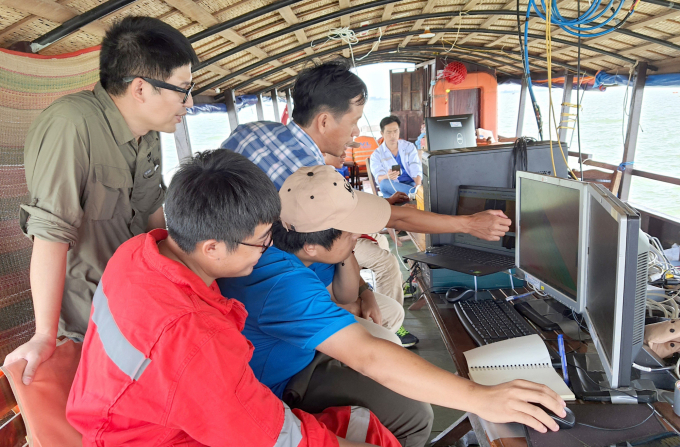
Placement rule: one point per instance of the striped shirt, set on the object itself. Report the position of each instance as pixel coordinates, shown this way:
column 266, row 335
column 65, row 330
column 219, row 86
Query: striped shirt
column 278, row 149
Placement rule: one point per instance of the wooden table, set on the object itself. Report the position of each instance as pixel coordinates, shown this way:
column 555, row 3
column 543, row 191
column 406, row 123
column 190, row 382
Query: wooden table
column 458, row 341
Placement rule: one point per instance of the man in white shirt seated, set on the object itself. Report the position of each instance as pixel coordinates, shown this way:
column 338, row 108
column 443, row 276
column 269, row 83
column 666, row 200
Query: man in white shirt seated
column 393, row 153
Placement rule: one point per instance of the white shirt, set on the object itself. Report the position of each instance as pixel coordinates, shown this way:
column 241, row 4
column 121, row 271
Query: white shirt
column 382, row 160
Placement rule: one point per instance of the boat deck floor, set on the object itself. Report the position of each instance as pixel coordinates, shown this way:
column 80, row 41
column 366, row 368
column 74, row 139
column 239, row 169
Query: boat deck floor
column 431, row 347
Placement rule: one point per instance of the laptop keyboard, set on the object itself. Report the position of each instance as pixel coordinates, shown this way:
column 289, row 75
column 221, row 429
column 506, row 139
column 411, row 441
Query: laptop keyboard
column 489, row 321
column 480, row 257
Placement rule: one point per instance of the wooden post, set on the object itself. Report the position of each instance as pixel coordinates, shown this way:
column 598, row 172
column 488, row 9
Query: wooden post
column 259, row 108
column 522, row 107
column 633, row 127
column 289, row 100
column 564, row 114
column 182, row 140
column 275, row 104
column 230, row 101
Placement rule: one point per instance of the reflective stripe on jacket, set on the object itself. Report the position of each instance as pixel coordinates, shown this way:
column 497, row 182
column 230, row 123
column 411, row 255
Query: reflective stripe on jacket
column 164, row 363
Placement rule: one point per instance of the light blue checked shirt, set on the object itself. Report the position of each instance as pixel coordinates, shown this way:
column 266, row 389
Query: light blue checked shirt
column 277, row 149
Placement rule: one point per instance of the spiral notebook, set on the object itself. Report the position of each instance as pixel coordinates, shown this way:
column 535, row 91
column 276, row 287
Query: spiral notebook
column 517, row 358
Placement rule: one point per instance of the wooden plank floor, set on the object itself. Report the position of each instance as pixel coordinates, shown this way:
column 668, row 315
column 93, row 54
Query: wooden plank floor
column 431, row 347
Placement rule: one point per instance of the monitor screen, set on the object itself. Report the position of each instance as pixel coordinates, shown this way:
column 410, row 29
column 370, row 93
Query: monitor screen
column 549, row 234
column 472, row 200
column 602, row 267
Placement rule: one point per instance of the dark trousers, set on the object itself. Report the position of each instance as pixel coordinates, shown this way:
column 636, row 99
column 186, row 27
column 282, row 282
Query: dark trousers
column 326, row 382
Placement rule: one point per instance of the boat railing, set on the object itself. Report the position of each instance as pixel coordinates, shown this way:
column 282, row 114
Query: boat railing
column 587, row 160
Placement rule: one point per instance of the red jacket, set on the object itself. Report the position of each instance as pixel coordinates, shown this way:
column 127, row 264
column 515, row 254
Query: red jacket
column 164, row 364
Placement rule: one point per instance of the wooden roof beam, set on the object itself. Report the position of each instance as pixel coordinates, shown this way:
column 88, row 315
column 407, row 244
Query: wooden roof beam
column 291, row 19
column 673, row 14
column 374, row 56
column 469, row 4
column 631, row 27
column 387, row 12
column 628, row 51
column 15, row 26
column 54, row 12
column 214, row 68
column 429, row 6
column 344, row 20
column 356, row 9
column 488, row 22
column 205, row 18
column 405, row 37
column 537, row 60
column 406, row 40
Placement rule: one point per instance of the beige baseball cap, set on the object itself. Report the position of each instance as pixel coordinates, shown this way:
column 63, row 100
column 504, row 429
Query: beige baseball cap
column 318, row 198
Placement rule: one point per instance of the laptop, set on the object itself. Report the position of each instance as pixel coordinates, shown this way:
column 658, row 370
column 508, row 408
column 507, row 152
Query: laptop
column 469, row 254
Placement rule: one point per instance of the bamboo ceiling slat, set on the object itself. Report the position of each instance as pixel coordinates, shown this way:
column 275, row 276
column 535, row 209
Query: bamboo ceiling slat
column 650, row 20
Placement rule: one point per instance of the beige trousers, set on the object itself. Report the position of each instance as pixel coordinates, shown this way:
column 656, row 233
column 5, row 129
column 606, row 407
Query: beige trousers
column 392, row 317
column 385, row 266
column 378, row 331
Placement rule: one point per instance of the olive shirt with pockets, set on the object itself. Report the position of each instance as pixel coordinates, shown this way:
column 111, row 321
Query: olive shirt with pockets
column 92, row 186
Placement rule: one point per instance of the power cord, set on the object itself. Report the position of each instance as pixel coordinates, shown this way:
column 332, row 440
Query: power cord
column 519, row 157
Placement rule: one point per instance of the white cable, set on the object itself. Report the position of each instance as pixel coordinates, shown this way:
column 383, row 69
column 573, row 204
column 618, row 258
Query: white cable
column 375, row 45
column 539, row 292
column 396, row 248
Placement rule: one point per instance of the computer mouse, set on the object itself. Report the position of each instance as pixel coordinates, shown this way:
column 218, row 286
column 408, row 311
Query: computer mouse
column 567, row 421
column 456, row 294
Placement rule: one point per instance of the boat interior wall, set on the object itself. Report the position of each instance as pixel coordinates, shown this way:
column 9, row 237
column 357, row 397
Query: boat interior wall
column 28, row 83
column 487, row 105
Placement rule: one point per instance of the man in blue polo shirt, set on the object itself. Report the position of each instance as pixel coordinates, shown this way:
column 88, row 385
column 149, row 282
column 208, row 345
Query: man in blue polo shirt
column 329, row 102
column 291, row 316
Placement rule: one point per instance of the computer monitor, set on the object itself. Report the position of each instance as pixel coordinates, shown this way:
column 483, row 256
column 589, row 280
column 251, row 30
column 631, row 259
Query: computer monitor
column 450, row 132
column 551, row 237
column 616, row 285
column 475, row 199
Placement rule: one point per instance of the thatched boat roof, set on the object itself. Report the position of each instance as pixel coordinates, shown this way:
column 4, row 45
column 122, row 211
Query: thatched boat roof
column 255, row 45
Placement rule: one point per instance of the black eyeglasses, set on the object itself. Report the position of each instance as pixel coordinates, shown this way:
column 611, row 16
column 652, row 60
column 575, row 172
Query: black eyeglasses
column 265, row 246
column 165, row 85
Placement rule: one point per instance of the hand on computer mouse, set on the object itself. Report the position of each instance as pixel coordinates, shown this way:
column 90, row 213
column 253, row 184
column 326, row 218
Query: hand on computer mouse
column 565, row 422
column 516, row 402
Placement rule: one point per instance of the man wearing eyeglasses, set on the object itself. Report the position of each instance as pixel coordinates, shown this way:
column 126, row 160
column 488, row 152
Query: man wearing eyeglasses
column 93, row 169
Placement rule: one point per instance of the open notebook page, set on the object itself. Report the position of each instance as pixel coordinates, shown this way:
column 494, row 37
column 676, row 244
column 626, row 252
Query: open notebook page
column 517, row 358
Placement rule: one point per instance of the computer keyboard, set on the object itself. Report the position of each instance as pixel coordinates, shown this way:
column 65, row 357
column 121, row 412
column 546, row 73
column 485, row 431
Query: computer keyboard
column 489, row 321
column 480, row 257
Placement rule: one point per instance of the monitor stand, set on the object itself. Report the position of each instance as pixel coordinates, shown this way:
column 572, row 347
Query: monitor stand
column 589, row 383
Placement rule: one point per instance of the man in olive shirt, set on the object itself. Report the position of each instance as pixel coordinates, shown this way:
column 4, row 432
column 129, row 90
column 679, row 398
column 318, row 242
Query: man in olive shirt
column 93, row 168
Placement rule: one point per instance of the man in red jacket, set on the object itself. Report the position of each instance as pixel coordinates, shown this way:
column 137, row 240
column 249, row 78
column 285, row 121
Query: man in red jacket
column 164, row 362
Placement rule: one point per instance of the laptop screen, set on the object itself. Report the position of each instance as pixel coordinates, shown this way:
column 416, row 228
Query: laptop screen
column 474, row 199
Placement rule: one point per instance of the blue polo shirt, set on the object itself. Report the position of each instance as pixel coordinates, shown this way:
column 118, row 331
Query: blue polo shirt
column 325, row 272
column 290, row 313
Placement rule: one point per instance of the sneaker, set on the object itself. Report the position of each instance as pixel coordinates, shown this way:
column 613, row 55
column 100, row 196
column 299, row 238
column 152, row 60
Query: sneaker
column 409, row 290
column 407, row 339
